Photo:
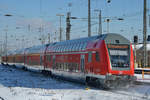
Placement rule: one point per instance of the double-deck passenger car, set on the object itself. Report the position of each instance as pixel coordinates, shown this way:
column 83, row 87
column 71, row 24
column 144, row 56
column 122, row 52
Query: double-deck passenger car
column 104, row 59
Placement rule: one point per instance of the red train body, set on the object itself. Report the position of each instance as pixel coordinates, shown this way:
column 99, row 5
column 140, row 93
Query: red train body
column 106, row 59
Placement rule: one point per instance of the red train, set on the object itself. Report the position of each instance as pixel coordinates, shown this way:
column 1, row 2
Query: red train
column 105, row 59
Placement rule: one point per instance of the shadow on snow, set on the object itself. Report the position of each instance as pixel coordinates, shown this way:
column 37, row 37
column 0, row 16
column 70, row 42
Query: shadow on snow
column 13, row 77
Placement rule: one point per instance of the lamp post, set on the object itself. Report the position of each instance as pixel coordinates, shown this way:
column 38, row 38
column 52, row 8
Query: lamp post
column 100, row 21
column 6, row 30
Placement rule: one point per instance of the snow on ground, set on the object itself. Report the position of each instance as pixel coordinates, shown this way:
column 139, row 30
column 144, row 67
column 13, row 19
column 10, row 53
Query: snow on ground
column 16, row 84
column 145, row 79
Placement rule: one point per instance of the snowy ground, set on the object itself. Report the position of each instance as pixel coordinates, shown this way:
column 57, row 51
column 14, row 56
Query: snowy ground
column 17, row 84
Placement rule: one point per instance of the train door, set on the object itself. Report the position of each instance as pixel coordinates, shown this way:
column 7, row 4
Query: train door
column 82, row 65
column 53, row 64
column 41, row 60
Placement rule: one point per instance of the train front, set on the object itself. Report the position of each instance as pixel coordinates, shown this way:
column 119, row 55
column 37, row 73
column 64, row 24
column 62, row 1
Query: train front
column 121, row 61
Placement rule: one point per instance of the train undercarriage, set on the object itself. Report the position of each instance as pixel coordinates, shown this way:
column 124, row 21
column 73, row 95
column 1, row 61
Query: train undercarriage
column 111, row 81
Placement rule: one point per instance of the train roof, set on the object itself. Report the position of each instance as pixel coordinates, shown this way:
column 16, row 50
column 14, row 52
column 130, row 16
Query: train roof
column 113, row 38
column 35, row 49
column 109, row 38
column 80, row 44
column 75, row 44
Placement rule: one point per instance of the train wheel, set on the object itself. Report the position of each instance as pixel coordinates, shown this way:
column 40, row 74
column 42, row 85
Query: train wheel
column 2, row 64
column 24, row 68
column 46, row 73
column 14, row 65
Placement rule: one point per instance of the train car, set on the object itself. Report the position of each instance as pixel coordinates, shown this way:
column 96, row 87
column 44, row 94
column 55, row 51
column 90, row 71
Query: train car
column 34, row 57
column 14, row 58
column 104, row 60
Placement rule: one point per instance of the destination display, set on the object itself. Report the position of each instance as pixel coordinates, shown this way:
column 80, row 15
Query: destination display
column 119, row 52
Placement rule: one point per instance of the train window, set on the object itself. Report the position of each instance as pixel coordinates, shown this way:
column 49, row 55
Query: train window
column 97, row 56
column 80, row 46
column 60, row 50
column 67, row 48
column 90, row 56
column 75, row 47
column 72, row 47
column 63, row 48
column 57, row 49
column 117, row 41
column 54, row 49
column 84, row 46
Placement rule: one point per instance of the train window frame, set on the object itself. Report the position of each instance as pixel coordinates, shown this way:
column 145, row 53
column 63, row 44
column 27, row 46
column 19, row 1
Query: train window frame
column 90, row 56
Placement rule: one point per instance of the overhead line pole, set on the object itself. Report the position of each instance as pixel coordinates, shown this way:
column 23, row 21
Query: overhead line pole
column 68, row 26
column 60, row 29
column 6, row 42
column 89, row 18
column 144, row 34
column 100, row 23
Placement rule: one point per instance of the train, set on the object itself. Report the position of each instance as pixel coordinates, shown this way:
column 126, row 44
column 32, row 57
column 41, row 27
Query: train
column 104, row 60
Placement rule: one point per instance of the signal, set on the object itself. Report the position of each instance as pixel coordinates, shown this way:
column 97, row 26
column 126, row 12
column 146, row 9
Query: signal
column 135, row 39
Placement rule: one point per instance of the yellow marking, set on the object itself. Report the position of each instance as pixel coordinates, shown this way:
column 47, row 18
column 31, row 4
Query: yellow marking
column 144, row 72
column 87, row 88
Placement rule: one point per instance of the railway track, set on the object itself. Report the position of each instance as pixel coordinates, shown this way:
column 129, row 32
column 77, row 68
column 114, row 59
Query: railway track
column 123, row 91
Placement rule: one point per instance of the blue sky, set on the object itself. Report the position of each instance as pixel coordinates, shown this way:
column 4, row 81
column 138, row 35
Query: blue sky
column 36, row 13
